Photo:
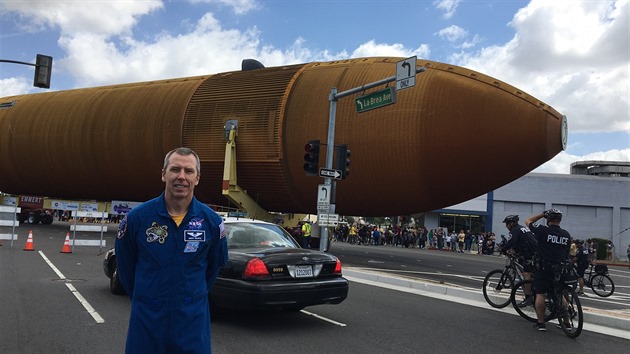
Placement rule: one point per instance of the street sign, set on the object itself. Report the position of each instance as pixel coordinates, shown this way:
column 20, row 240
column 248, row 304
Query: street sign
column 323, row 194
column 376, row 99
column 328, row 219
column 327, row 172
column 63, row 205
column 406, row 73
column 323, row 208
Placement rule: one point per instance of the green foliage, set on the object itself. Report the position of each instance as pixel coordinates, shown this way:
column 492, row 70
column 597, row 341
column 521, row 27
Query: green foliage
column 601, row 247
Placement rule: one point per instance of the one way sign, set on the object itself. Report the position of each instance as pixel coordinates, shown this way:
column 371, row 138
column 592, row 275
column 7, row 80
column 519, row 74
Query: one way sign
column 325, row 172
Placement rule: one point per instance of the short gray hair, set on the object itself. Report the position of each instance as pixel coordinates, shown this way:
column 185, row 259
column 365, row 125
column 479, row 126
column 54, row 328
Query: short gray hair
column 184, row 151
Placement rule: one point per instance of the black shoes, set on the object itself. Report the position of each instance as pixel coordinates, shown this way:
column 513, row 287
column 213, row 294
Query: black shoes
column 540, row 327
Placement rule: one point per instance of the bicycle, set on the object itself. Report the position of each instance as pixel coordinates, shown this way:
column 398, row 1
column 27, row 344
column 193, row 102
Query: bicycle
column 561, row 301
column 497, row 285
column 599, row 281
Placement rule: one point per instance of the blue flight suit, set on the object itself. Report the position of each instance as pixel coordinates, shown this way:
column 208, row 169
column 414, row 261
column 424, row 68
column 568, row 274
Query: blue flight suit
column 167, row 271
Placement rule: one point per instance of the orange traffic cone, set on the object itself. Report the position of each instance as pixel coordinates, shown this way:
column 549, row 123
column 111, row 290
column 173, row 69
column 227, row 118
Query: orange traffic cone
column 29, row 242
column 66, row 244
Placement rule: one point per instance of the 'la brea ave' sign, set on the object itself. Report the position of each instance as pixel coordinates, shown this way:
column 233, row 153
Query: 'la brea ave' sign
column 376, row 99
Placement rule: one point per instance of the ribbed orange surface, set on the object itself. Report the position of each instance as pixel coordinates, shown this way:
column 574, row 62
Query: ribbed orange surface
column 446, row 140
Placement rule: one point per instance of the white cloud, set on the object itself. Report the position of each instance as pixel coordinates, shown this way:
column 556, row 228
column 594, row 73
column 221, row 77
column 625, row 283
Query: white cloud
column 15, row 86
column 449, row 7
column 239, row 7
column 165, row 56
column 561, row 163
column 572, row 55
column 453, row 33
column 373, row 49
column 457, row 35
column 96, row 17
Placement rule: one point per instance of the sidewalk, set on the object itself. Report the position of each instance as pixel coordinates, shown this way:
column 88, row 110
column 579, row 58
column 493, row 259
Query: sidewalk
column 616, row 263
column 607, row 322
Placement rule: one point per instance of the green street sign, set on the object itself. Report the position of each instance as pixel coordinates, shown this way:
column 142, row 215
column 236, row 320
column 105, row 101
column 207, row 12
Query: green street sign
column 376, row 99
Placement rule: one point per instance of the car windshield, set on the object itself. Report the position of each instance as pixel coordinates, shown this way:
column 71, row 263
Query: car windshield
column 257, row 235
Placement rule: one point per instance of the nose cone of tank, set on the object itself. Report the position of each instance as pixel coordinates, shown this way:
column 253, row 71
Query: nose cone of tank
column 454, row 136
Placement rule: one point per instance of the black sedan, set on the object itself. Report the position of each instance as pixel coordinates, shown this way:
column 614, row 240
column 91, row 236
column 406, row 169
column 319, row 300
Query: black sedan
column 267, row 270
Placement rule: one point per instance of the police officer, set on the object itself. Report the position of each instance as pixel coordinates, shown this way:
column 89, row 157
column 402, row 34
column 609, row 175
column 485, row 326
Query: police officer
column 581, row 261
column 169, row 252
column 554, row 244
column 519, row 239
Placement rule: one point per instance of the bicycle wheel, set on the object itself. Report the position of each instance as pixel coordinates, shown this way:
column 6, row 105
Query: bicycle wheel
column 524, row 308
column 497, row 287
column 602, row 285
column 570, row 316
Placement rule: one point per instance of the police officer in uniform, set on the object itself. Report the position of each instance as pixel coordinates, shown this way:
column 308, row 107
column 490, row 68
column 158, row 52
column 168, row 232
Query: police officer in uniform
column 517, row 240
column 169, row 251
column 554, row 244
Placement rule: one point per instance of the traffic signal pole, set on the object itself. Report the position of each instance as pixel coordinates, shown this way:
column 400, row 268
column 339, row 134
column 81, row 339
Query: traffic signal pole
column 333, row 97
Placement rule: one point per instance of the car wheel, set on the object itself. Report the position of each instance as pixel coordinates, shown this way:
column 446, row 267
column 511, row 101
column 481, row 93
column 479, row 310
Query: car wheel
column 114, row 283
column 47, row 219
column 32, row 219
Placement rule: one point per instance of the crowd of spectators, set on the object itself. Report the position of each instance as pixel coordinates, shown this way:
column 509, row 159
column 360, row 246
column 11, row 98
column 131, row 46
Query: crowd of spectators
column 420, row 237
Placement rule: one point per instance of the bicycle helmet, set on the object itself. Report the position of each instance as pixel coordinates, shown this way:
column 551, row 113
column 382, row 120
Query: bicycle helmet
column 510, row 218
column 553, row 215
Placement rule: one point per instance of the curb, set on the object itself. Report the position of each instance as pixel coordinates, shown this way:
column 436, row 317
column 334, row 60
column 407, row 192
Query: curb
column 475, row 296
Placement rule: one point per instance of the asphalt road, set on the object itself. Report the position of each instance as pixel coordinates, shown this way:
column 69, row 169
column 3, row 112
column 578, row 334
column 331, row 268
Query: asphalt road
column 52, row 302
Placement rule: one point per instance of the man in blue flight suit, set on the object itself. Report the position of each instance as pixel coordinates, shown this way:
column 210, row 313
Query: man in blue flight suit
column 169, row 251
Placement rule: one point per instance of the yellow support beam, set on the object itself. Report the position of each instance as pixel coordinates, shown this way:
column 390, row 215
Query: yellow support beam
column 239, row 196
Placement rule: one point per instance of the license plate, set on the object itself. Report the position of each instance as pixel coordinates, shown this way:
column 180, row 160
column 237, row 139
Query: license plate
column 304, row 271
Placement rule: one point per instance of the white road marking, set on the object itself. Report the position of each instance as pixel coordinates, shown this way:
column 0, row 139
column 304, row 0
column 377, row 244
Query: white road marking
column 458, row 294
column 95, row 315
column 323, row 318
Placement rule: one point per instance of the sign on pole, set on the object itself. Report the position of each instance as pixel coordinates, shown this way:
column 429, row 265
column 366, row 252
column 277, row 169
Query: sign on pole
column 376, row 99
column 64, row 205
column 330, row 173
column 406, row 73
column 328, row 219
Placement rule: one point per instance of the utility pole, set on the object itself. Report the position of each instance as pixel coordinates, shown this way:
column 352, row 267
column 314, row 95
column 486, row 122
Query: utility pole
column 405, row 77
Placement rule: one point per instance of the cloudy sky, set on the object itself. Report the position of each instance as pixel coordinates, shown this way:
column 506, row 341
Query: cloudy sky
column 571, row 54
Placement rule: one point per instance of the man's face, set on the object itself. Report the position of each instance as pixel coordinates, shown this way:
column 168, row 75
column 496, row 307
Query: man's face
column 180, row 176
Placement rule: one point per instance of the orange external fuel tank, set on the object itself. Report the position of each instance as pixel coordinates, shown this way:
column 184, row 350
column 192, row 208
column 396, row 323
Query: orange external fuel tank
column 456, row 135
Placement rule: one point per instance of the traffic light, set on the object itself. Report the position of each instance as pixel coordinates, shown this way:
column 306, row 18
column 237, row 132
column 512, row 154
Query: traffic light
column 343, row 160
column 311, row 158
column 43, row 70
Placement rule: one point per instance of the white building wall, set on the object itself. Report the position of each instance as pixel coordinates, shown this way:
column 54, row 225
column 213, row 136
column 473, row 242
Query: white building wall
column 592, row 206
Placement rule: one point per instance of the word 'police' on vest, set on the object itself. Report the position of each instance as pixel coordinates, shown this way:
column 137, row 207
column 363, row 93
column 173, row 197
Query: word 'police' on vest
column 561, row 240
